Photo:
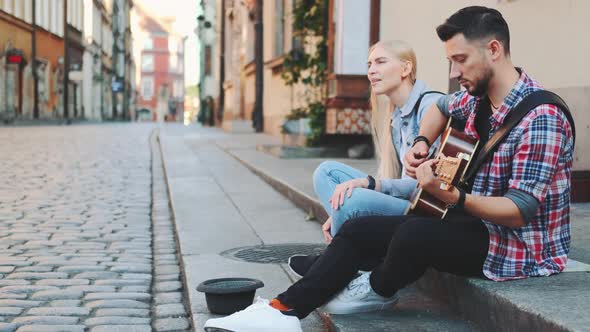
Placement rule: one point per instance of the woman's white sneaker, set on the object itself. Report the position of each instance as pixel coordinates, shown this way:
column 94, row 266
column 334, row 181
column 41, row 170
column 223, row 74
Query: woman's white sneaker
column 258, row 317
column 358, row 296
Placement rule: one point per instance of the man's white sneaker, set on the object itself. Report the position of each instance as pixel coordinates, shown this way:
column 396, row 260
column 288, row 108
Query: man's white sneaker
column 358, row 296
column 258, row 317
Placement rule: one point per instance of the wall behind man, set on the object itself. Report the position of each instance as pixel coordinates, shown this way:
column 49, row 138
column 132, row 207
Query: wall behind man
column 547, row 39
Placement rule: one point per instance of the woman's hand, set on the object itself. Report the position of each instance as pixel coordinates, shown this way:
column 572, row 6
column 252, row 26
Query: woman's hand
column 326, row 228
column 346, row 187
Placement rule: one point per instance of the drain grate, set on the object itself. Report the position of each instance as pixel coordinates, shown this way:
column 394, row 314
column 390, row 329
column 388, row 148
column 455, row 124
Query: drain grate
column 273, row 253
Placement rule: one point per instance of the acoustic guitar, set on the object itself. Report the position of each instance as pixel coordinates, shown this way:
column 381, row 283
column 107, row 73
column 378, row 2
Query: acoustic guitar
column 455, row 153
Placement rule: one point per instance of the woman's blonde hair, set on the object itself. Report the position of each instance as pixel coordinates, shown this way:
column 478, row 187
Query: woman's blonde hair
column 381, row 109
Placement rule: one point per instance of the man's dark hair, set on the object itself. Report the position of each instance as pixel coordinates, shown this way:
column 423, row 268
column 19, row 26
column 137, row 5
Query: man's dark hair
column 475, row 23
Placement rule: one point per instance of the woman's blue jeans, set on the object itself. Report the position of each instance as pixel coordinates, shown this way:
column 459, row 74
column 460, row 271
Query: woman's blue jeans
column 363, row 202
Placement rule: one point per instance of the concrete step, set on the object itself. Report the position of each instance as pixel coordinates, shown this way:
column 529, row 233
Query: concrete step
column 415, row 311
column 559, row 302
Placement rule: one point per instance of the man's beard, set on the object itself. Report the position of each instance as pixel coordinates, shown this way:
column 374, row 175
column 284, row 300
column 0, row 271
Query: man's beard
column 481, row 86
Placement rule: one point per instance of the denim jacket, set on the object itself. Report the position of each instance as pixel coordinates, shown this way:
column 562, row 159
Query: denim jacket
column 404, row 126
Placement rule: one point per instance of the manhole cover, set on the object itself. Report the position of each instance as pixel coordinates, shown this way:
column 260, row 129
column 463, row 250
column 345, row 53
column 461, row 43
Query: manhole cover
column 273, row 253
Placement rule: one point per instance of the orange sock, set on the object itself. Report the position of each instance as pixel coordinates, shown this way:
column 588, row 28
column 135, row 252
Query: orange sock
column 275, row 303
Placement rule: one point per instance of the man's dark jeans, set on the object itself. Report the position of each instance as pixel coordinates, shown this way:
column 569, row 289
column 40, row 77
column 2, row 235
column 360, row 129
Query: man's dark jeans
column 403, row 247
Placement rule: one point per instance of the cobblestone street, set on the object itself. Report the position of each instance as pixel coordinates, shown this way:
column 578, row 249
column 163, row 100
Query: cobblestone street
column 77, row 252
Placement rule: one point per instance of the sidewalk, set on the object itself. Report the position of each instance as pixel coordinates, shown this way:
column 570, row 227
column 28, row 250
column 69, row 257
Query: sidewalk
column 219, row 205
column 213, row 193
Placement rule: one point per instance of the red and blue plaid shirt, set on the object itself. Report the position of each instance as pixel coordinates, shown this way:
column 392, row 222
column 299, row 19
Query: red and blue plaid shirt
column 535, row 158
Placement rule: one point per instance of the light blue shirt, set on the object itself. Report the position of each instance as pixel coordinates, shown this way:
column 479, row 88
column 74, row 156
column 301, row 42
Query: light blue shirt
column 404, row 127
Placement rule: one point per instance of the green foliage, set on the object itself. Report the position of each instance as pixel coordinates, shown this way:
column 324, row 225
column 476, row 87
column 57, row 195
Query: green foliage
column 309, row 69
column 317, row 122
column 297, row 113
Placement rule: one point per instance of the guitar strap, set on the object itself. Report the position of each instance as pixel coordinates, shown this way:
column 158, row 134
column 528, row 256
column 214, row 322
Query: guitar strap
column 527, row 104
column 417, row 105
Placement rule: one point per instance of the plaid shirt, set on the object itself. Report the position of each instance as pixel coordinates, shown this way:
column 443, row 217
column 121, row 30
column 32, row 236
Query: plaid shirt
column 535, row 158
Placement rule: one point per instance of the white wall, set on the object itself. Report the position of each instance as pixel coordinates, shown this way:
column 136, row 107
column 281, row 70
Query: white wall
column 352, row 19
column 548, row 39
column 76, row 14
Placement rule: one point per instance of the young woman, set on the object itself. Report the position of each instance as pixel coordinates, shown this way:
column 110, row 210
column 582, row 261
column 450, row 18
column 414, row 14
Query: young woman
column 398, row 102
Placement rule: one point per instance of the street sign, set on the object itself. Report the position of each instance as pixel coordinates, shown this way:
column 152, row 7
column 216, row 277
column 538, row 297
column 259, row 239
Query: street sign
column 117, row 86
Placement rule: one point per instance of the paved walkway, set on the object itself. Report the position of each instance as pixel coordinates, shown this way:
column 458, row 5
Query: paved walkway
column 220, row 206
column 76, row 246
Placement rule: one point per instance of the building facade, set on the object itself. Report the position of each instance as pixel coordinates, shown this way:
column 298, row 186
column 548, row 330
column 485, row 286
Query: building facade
column 76, row 50
column 160, row 55
column 106, row 78
column 122, row 89
column 94, row 13
column 207, row 32
column 16, row 79
column 34, row 29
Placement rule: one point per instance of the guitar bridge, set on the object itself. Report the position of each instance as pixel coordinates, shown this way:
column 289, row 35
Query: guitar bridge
column 447, row 170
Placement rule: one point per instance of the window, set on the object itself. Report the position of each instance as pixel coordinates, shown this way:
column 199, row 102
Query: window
column 147, row 87
column 147, row 62
column 279, row 47
column 148, row 43
column 207, row 60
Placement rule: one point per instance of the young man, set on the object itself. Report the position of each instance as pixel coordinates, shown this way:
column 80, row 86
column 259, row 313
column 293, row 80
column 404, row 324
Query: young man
column 514, row 223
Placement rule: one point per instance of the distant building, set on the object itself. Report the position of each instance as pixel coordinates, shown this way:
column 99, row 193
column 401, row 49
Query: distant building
column 123, row 64
column 89, row 54
column 76, row 49
column 98, row 39
column 16, row 79
column 159, row 52
column 208, row 35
